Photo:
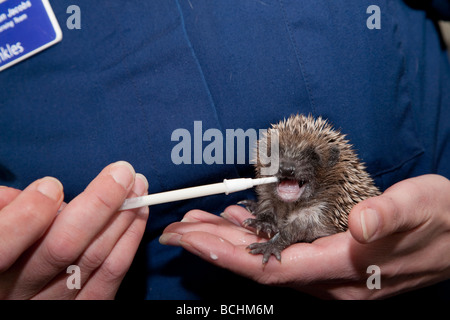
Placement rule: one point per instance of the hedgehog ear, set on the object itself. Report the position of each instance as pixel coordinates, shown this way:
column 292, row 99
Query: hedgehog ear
column 333, row 157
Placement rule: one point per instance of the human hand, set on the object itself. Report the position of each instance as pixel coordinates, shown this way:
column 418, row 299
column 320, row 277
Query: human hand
column 38, row 243
column 405, row 232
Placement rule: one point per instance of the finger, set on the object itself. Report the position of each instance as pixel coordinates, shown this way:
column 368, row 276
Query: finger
column 79, row 223
column 105, row 281
column 200, row 216
column 236, row 214
column 7, row 195
column 398, row 209
column 24, row 220
column 173, row 233
column 100, row 248
column 206, row 222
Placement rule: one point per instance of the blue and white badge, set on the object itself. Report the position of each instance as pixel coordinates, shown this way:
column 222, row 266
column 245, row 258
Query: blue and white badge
column 26, row 28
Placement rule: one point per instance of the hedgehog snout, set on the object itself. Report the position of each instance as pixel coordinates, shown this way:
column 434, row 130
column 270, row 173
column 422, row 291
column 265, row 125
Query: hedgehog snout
column 287, row 169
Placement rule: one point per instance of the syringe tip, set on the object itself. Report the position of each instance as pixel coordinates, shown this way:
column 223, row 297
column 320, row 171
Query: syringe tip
column 259, row 181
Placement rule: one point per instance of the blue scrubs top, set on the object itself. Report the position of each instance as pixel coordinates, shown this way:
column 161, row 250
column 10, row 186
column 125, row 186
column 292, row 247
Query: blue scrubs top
column 137, row 71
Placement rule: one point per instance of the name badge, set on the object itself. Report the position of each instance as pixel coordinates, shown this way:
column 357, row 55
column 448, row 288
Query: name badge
column 26, row 28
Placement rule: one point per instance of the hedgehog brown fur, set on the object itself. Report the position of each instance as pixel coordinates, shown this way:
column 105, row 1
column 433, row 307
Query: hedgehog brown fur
column 320, row 179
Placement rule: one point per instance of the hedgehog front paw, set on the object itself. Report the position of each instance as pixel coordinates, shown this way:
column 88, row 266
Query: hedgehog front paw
column 259, row 225
column 271, row 247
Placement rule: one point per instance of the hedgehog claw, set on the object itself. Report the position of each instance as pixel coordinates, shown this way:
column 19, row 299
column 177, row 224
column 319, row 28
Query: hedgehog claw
column 260, row 226
column 267, row 249
column 247, row 223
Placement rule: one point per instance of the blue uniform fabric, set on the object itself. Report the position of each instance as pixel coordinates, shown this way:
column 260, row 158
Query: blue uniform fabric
column 138, row 70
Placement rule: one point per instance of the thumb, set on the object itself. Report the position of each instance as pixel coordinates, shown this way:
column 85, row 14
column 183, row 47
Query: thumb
column 398, row 209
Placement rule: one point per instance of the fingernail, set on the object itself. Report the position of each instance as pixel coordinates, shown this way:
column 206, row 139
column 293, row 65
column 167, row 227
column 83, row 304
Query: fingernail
column 369, row 223
column 123, row 173
column 50, row 187
column 170, row 239
column 140, row 189
column 188, row 219
column 144, row 179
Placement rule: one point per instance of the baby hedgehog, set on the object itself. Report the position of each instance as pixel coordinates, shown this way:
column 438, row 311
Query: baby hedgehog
column 320, row 179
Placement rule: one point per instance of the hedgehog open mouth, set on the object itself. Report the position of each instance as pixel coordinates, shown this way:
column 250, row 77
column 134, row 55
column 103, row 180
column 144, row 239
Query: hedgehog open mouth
column 290, row 190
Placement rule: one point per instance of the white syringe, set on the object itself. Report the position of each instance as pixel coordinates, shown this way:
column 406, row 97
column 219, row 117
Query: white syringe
column 227, row 186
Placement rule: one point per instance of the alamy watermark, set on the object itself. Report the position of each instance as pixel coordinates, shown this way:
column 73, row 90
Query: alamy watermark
column 212, row 147
column 374, row 280
column 374, row 21
column 74, row 20
column 74, row 280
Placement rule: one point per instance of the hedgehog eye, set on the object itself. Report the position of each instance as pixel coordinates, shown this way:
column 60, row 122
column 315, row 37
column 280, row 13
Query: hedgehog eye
column 334, row 156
